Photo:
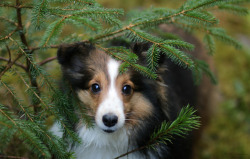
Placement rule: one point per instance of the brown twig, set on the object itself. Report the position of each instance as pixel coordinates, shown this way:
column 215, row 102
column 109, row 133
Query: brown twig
column 8, row 20
column 9, row 35
column 37, row 48
column 8, row 49
column 16, row 63
column 47, row 60
column 24, row 41
column 9, row 65
column 20, row 24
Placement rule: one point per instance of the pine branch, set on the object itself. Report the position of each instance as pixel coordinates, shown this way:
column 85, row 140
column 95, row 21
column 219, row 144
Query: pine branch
column 39, row 12
column 157, row 20
column 47, row 81
column 50, row 109
column 52, row 31
column 34, row 124
column 145, row 71
column 9, row 21
column 184, row 123
column 27, row 136
column 210, row 44
column 238, row 10
column 201, row 18
column 221, row 35
column 153, row 56
column 37, row 70
column 47, row 60
column 200, row 68
column 9, row 65
column 9, row 35
column 11, row 91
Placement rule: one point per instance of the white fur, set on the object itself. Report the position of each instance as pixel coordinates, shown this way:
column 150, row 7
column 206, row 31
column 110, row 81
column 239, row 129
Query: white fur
column 100, row 145
column 112, row 102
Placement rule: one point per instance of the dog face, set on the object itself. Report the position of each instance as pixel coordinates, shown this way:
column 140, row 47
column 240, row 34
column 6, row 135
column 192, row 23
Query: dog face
column 114, row 100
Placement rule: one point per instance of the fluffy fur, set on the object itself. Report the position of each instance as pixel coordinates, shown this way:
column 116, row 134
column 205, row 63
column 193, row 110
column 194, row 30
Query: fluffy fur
column 139, row 111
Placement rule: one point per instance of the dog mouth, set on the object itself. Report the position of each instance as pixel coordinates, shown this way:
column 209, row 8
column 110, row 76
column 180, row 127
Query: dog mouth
column 108, row 130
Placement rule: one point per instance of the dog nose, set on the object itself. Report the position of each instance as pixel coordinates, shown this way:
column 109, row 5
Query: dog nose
column 109, row 119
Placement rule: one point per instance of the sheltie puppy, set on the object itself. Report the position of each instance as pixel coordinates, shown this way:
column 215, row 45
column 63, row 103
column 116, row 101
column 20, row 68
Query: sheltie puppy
column 126, row 108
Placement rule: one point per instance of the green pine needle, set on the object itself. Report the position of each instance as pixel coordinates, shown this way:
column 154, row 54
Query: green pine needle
column 238, row 10
column 184, row 123
column 221, row 35
column 178, row 57
column 210, row 44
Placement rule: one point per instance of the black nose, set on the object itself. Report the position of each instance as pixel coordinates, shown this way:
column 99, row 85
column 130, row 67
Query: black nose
column 109, row 119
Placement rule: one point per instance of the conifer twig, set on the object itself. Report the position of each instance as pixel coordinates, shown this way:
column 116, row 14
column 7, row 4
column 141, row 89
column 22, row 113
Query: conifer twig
column 34, row 144
column 47, row 60
column 16, row 63
column 25, row 42
column 9, row 35
column 9, row 65
column 8, row 20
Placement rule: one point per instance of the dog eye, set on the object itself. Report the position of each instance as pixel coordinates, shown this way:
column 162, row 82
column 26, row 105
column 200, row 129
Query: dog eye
column 126, row 90
column 95, row 88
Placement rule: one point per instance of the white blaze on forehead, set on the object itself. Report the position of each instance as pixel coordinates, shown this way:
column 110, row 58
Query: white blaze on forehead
column 112, row 102
column 113, row 70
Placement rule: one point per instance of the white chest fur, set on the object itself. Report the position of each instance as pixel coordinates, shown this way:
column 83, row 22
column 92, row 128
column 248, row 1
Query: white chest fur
column 96, row 144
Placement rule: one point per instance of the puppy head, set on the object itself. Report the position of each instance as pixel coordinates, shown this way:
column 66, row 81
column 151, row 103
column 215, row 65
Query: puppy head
column 114, row 100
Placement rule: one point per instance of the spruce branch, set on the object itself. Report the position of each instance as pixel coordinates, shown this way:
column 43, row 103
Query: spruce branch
column 49, row 108
column 9, row 65
column 27, row 136
column 11, row 91
column 144, row 70
column 201, row 18
column 39, row 12
column 39, row 71
column 184, row 123
column 210, row 44
column 176, row 55
column 221, row 35
column 238, row 10
column 9, row 21
column 161, row 19
column 36, row 68
column 42, row 132
column 153, row 56
column 9, row 35
column 47, row 60
column 200, row 68
column 54, row 29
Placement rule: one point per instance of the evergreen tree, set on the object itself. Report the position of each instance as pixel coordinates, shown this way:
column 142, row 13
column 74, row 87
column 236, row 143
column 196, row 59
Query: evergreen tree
column 31, row 27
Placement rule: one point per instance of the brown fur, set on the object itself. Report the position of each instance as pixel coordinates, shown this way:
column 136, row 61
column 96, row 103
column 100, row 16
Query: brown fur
column 136, row 107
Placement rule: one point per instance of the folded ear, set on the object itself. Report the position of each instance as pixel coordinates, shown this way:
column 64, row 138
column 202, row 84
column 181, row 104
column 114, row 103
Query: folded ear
column 73, row 59
column 66, row 53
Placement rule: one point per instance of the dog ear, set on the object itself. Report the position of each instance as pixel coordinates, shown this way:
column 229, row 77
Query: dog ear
column 66, row 53
column 73, row 59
